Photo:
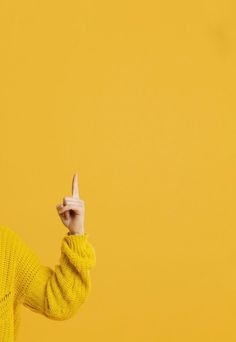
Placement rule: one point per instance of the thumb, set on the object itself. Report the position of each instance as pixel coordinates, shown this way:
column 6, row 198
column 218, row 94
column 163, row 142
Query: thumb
column 65, row 214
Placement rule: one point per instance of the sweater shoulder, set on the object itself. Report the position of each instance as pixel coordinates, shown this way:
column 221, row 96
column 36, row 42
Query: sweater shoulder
column 7, row 234
column 11, row 240
column 5, row 229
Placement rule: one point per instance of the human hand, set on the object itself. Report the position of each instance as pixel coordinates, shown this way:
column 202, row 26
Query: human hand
column 71, row 212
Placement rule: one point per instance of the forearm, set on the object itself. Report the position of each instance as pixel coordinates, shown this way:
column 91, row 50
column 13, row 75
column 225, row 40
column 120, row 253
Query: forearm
column 59, row 293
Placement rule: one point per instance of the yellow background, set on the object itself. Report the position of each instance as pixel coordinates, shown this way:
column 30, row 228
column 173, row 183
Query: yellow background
column 139, row 99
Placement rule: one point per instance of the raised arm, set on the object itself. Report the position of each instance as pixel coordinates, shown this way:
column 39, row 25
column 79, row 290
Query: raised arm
column 59, row 293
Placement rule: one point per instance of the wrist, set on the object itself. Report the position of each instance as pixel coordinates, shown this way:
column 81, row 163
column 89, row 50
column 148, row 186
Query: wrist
column 75, row 233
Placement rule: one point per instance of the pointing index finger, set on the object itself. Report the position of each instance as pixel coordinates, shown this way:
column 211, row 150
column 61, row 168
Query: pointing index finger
column 75, row 188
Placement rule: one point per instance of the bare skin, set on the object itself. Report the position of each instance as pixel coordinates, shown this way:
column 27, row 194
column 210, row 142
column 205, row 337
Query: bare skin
column 71, row 212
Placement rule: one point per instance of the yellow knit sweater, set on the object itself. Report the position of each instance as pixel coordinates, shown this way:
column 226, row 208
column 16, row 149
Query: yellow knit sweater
column 56, row 294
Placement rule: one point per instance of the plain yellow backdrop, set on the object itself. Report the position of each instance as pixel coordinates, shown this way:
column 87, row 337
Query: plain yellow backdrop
column 139, row 99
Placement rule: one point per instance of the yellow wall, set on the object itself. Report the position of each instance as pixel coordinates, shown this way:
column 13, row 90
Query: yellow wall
column 139, row 99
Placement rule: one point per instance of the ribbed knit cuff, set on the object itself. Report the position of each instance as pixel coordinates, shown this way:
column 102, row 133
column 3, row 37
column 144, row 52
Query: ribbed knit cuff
column 77, row 242
column 80, row 250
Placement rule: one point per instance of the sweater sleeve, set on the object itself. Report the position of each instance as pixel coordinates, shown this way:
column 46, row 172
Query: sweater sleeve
column 56, row 293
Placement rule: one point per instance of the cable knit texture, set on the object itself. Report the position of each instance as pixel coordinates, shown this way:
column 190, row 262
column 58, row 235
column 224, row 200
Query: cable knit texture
column 24, row 280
